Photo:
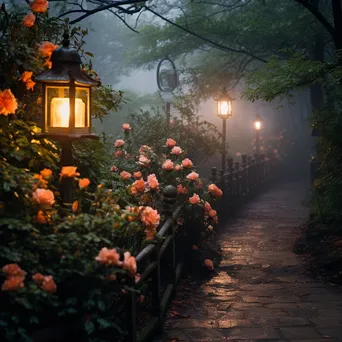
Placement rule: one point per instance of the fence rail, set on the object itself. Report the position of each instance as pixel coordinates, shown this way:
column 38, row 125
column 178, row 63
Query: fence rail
column 240, row 181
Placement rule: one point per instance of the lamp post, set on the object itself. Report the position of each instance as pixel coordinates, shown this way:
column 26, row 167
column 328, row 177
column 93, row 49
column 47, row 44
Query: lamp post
column 257, row 126
column 67, row 105
column 224, row 111
column 167, row 81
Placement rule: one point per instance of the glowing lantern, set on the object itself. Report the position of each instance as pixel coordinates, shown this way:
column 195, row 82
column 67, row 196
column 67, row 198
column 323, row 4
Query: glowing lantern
column 67, row 95
column 224, row 105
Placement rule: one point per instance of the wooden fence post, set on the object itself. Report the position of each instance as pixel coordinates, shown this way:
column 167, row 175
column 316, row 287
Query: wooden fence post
column 244, row 174
column 213, row 175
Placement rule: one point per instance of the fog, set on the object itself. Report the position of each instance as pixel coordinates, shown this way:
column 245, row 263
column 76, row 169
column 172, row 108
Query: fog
column 112, row 43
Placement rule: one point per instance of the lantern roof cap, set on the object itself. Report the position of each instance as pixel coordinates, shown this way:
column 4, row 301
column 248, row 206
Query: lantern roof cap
column 66, row 67
column 224, row 96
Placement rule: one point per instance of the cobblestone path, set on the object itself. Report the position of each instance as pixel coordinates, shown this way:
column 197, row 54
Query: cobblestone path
column 261, row 291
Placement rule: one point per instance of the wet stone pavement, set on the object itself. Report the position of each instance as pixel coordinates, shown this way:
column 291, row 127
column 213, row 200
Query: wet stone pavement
column 261, row 291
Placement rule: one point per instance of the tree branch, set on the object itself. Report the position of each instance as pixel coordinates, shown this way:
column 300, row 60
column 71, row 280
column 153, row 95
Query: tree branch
column 318, row 15
column 211, row 42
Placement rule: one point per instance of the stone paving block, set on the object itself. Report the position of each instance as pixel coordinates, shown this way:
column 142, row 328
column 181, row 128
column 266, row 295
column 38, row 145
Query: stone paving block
column 250, row 333
column 231, row 323
column 294, row 333
column 299, row 312
column 331, row 333
column 327, row 322
column 262, row 291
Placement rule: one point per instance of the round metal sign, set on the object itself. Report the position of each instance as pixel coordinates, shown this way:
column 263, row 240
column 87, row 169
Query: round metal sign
column 167, row 78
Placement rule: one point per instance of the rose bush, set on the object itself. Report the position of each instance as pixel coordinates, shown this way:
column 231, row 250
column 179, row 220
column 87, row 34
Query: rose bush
column 75, row 263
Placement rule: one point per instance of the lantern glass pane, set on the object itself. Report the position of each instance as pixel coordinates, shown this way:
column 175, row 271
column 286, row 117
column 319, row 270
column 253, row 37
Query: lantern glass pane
column 82, row 110
column 58, row 107
column 57, row 102
column 257, row 125
column 224, row 108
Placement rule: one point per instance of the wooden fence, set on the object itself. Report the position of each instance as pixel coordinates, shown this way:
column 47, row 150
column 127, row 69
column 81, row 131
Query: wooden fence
column 238, row 183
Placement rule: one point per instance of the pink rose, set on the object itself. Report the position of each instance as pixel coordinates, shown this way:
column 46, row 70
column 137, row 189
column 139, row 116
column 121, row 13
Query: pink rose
column 167, row 165
column 192, row 176
column 113, row 169
column 178, row 167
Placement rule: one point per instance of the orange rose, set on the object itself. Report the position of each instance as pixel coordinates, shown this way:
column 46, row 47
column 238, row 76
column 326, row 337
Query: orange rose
column 8, row 103
column 181, row 189
column 150, row 217
column 74, row 207
column 39, row 6
column 150, row 233
column 176, row 151
column 137, row 175
column 152, row 181
column 187, row 163
column 13, row 284
column 119, row 143
column 192, row 176
column 83, row 183
column 69, row 171
column 170, row 142
column 41, row 218
column 25, row 76
column 29, row 20
column 108, row 257
column 126, row 127
column 139, row 185
column 209, row 264
column 44, row 197
column 49, row 285
column 129, row 263
column 144, row 161
column 212, row 213
column 178, row 167
column 38, row 278
column 167, row 165
column 125, row 175
column 13, row 270
column 46, row 173
column 118, row 154
column 207, row 206
column 195, row 199
column 214, row 190
column 46, row 49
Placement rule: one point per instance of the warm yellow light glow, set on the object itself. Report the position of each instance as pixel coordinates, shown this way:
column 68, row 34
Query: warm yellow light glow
column 257, row 125
column 60, row 112
column 224, row 108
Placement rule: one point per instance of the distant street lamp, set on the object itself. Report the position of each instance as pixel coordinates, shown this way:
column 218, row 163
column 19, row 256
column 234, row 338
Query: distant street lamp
column 167, row 81
column 257, row 126
column 67, row 104
column 224, row 111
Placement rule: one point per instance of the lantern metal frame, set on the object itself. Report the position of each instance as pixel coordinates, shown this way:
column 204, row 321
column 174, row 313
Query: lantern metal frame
column 224, row 97
column 66, row 73
column 257, row 133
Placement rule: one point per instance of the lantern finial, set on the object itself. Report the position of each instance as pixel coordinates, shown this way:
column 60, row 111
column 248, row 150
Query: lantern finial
column 66, row 40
